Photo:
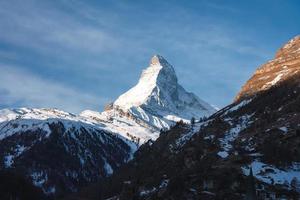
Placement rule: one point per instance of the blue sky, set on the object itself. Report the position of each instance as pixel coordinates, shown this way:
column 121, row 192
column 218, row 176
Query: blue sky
column 77, row 55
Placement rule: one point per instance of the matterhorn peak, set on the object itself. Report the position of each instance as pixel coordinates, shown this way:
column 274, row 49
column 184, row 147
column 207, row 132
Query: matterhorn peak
column 160, row 71
column 159, row 60
column 159, row 75
column 159, row 93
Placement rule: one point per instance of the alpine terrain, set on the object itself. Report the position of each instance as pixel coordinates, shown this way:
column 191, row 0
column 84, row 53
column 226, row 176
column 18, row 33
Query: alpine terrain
column 247, row 150
column 60, row 152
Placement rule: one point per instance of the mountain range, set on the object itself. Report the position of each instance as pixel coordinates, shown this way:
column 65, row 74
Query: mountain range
column 158, row 141
column 246, row 150
column 60, row 152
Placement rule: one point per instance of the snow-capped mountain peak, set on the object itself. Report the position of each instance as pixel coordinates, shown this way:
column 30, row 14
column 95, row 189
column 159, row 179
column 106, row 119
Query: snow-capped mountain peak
column 159, row 60
column 159, row 75
column 158, row 99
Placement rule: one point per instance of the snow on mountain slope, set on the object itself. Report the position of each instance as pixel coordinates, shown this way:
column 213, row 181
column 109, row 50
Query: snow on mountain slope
column 35, row 113
column 22, row 119
column 159, row 100
column 159, row 75
column 129, row 128
column 59, row 151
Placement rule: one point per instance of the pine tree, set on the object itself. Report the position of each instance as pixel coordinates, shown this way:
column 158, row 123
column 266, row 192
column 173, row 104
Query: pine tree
column 200, row 119
column 251, row 190
column 193, row 121
column 295, row 184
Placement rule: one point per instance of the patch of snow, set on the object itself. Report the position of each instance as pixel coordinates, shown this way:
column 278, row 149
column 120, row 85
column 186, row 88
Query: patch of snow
column 20, row 149
column 108, row 168
column 164, row 183
column 208, row 193
column 192, row 190
column 39, row 178
column 147, row 192
column 238, row 106
column 8, row 161
column 272, row 175
column 233, row 133
column 278, row 77
column 264, row 77
column 256, row 154
column 7, row 115
column 210, row 137
column 50, row 190
column 189, row 134
column 72, row 174
column 81, row 160
column 284, row 129
column 223, row 154
column 275, row 80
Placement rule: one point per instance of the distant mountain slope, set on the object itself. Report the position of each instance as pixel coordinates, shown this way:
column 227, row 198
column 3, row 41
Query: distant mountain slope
column 58, row 151
column 212, row 159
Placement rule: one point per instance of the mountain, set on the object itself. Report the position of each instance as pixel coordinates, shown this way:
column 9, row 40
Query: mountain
column 284, row 66
column 61, row 152
column 247, row 150
column 159, row 99
column 156, row 102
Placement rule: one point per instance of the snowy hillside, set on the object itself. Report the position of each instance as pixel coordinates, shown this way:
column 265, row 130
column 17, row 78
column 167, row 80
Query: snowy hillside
column 59, row 151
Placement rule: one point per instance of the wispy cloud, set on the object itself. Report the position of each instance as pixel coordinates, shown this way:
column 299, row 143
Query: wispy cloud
column 33, row 26
column 27, row 89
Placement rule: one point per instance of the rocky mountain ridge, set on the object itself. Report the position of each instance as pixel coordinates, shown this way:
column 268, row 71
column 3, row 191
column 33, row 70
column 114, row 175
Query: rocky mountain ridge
column 282, row 67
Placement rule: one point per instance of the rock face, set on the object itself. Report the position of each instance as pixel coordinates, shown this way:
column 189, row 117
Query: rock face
column 285, row 65
column 212, row 159
column 61, row 152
